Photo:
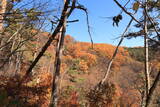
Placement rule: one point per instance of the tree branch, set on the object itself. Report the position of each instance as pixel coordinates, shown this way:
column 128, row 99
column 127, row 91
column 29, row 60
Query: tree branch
column 128, row 13
column 48, row 43
column 81, row 7
column 115, row 53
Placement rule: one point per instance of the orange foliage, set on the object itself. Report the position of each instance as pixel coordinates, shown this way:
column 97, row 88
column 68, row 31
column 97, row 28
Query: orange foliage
column 106, row 50
column 80, row 51
column 90, row 59
column 74, row 99
column 83, row 51
column 116, row 66
column 68, row 39
column 130, row 98
column 155, row 64
column 83, row 66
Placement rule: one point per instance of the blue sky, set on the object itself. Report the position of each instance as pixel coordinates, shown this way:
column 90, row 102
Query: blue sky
column 101, row 28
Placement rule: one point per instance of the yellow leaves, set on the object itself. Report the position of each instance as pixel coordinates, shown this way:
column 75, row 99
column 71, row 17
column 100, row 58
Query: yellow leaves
column 89, row 58
column 83, row 66
column 136, row 6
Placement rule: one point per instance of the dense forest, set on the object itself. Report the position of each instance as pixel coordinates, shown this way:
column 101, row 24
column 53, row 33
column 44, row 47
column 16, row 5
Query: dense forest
column 42, row 66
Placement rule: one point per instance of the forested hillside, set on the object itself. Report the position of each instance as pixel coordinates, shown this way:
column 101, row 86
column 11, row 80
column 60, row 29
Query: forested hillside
column 81, row 69
column 42, row 66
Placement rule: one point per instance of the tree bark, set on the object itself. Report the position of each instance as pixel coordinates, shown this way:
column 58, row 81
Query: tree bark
column 56, row 72
column 146, row 62
column 2, row 13
column 57, row 63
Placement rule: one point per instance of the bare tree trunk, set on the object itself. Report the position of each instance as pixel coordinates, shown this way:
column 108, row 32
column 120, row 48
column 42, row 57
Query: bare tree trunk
column 18, row 58
column 142, row 98
column 11, row 59
column 54, row 34
column 147, row 77
column 3, row 6
column 18, row 62
column 57, row 63
column 44, row 48
column 2, row 11
column 157, row 79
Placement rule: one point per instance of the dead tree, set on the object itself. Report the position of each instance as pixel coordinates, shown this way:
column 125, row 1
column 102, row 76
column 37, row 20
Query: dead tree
column 57, row 63
column 146, row 63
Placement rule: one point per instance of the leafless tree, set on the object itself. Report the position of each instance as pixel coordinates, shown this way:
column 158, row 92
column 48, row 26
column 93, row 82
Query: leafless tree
column 147, row 77
column 149, row 91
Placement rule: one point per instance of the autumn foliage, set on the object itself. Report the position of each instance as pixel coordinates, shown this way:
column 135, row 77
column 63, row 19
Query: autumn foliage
column 88, row 57
column 83, row 67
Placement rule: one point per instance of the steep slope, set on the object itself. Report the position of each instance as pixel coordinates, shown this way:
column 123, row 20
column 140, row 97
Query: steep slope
column 82, row 68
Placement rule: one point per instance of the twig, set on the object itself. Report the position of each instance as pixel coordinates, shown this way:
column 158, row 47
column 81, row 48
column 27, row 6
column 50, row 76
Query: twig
column 72, row 21
column 8, row 41
column 154, row 40
column 152, row 22
column 88, row 25
column 120, row 11
column 128, row 13
column 125, row 5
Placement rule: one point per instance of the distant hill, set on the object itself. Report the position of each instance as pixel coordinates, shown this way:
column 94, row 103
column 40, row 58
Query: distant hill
column 81, row 69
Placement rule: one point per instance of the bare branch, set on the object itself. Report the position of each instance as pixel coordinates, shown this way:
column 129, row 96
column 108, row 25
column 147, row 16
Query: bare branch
column 153, row 23
column 154, row 41
column 128, row 13
column 72, row 21
column 81, row 7
column 56, row 31
column 115, row 53
column 125, row 5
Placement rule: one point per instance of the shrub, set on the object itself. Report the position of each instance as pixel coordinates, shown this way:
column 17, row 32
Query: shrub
column 103, row 95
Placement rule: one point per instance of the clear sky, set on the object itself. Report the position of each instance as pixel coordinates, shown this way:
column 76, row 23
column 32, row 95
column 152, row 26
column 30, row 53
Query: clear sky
column 101, row 28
